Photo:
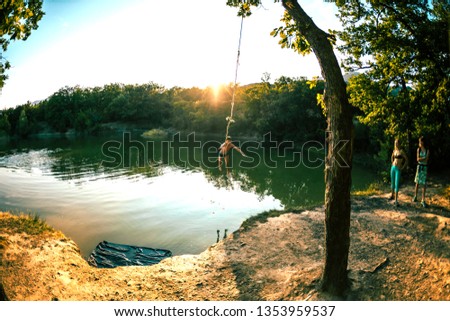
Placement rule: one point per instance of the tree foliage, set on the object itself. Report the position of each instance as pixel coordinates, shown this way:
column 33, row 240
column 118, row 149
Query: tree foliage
column 5, row 126
column 402, row 47
column 287, row 108
column 17, row 19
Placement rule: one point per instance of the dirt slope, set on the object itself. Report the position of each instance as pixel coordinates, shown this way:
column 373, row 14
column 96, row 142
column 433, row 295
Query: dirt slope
column 396, row 254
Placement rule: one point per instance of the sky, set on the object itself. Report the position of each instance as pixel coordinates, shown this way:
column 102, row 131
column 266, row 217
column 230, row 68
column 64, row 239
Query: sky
column 184, row 43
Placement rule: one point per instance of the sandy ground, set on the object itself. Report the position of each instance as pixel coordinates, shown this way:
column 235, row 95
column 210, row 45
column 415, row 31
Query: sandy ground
column 396, row 254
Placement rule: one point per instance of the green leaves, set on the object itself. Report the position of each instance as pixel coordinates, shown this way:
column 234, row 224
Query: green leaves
column 17, row 19
column 244, row 6
column 402, row 46
column 290, row 36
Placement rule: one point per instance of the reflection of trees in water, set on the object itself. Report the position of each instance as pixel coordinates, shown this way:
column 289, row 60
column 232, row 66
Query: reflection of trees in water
column 293, row 187
column 79, row 164
column 81, row 159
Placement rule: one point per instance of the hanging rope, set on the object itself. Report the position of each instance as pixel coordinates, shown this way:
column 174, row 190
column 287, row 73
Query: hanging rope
column 230, row 118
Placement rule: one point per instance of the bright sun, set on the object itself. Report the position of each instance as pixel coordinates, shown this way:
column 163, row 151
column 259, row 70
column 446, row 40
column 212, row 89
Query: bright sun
column 217, row 89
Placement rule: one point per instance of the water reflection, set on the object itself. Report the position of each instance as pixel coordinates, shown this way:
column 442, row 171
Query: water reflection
column 179, row 202
column 81, row 160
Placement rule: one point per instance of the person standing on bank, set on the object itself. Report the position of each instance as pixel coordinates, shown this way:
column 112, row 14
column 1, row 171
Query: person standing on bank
column 225, row 150
column 399, row 160
column 421, row 174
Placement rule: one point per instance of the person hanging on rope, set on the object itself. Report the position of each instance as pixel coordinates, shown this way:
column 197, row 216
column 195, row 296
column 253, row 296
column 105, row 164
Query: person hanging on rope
column 227, row 146
column 225, row 151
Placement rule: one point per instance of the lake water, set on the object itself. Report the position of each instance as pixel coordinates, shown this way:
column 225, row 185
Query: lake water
column 162, row 194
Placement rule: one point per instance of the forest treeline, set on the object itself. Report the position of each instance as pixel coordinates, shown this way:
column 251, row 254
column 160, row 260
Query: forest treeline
column 288, row 108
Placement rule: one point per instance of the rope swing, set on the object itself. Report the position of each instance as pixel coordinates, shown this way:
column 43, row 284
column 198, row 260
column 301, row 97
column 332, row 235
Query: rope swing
column 230, row 118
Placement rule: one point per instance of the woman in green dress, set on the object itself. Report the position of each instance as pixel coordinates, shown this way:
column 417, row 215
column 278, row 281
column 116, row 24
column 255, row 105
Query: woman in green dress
column 423, row 155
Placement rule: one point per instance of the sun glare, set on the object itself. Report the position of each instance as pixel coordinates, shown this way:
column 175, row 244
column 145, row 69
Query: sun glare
column 217, row 90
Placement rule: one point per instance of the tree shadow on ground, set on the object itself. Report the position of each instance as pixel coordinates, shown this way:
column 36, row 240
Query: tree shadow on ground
column 268, row 256
column 395, row 254
column 410, row 254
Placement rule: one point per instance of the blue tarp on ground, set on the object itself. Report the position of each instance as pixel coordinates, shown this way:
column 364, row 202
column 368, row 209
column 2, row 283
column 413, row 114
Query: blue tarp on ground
column 111, row 255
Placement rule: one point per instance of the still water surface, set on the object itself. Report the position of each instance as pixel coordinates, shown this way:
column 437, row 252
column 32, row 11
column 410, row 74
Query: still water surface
column 161, row 205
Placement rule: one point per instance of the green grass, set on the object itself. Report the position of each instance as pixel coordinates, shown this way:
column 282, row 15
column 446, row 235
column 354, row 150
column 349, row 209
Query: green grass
column 155, row 134
column 376, row 188
column 26, row 223
column 264, row 216
column 2, row 244
column 446, row 192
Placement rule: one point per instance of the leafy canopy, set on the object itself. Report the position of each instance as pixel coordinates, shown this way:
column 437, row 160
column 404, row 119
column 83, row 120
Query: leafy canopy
column 17, row 19
column 290, row 35
column 403, row 48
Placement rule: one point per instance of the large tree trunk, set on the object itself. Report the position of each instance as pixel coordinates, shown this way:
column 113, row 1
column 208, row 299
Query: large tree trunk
column 339, row 153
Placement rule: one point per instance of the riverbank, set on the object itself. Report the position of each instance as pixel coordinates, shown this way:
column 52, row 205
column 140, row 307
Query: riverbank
column 397, row 253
